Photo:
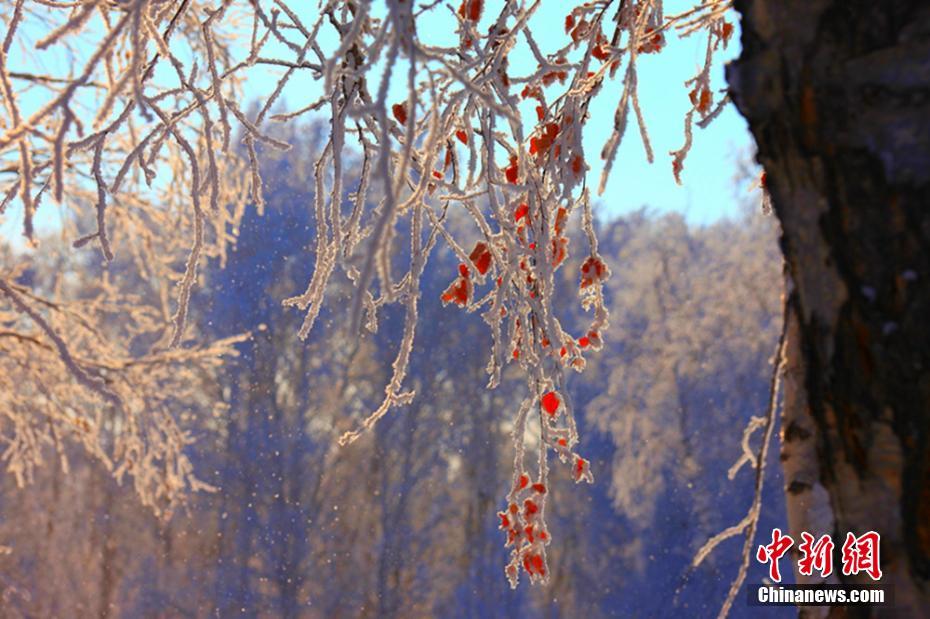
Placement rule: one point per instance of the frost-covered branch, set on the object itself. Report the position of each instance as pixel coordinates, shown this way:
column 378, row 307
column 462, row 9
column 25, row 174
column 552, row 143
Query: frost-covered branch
column 440, row 125
column 750, row 523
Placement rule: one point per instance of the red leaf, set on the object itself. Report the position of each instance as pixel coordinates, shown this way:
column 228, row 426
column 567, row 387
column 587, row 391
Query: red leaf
column 505, row 521
column 530, row 506
column 550, row 402
column 458, row 292
column 462, row 136
column 559, row 250
column 704, row 103
column 481, row 257
column 400, row 112
column 577, row 165
column 580, row 466
column 512, row 171
column 726, row 31
column 540, row 144
column 580, row 31
column 561, row 216
column 537, row 562
column 474, row 9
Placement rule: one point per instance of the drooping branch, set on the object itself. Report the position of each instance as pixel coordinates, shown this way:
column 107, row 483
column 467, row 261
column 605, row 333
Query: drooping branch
column 459, row 134
column 750, row 523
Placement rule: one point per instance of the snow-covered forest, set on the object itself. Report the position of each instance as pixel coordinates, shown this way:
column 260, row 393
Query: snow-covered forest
column 346, row 309
column 403, row 524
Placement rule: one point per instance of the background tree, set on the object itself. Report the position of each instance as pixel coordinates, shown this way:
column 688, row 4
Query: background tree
column 416, row 476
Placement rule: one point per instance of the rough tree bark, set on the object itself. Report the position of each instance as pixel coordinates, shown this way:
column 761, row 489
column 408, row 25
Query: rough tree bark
column 837, row 95
column 806, row 499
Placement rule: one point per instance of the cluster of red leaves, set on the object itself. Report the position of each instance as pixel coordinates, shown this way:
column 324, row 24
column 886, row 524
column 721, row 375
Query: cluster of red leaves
column 522, row 520
column 545, row 143
column 526, row 530
column 532, row 91
column 525, row 527
column 577, row 30
column 593, row 270
column 551, row 404
column 653, row 44
column 524, row 252
column 591, row 340
column 541, row 143
column 460, row 290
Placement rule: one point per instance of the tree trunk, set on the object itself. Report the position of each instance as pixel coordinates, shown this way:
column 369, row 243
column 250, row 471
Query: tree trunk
column 806, row 499
column 837, row 95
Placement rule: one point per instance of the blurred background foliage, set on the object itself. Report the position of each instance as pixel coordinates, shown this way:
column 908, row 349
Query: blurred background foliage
column 402, row 523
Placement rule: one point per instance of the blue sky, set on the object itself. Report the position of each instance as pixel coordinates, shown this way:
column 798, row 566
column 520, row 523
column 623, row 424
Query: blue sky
column 708, row 191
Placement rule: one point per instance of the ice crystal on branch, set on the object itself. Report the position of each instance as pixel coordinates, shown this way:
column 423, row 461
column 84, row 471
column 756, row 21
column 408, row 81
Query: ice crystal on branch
column 438, row 126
